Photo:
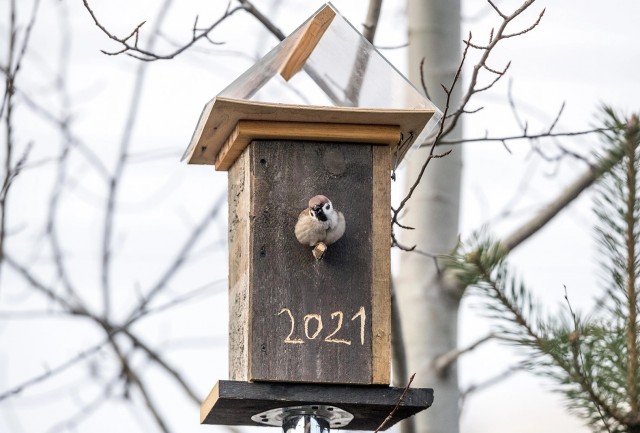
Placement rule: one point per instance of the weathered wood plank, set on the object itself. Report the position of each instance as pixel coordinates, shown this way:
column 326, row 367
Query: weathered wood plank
column 248, row 130
column 240, row 192
column 234, row 403
column 381, row 264
column 310, row 320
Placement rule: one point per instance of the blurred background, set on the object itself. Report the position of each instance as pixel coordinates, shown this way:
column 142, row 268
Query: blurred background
column 115, row 250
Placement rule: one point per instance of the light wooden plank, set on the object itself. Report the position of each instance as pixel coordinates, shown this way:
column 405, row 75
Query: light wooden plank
column 381, row 262
column 196, row 137
column 240, row 190
column 307, row 42
column 220, row 118
column 248, row 130
column 209, row 403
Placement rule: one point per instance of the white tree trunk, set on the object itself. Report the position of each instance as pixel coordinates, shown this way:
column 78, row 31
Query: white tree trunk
column 428, row 313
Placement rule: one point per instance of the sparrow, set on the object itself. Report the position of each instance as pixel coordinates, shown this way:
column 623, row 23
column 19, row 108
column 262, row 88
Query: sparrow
column 319, row 225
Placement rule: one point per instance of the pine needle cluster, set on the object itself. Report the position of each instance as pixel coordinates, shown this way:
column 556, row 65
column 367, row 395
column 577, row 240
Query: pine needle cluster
column 592, row 357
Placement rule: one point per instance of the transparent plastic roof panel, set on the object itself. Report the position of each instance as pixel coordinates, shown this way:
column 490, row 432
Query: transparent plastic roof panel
column 326, row 62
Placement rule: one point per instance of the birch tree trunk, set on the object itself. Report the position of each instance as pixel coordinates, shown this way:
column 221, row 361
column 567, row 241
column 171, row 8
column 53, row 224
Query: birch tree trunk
column 428, row 311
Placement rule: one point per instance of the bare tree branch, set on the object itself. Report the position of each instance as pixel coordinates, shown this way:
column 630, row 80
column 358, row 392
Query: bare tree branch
column 361, row 62
column 64, row 127
column 444, row 361
column 494, row 40
column 155, row 412
column 147, row 54
column 250, row 8
column 131, row 377
column 400, row 372
column 48, row 292
column 15, row 56
column 569, row 194
column 125, row 142
column 52, row 372
column 178, row 261
column 523, row 136
column 370, row 24
column 477, row 387
column 162, row 363
column 72, row 422
column 395, row 409
column 448, row 91
column 63, row 124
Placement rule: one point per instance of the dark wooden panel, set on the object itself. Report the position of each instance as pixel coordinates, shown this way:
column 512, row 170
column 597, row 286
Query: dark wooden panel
column 285, row 277
column 233, row 403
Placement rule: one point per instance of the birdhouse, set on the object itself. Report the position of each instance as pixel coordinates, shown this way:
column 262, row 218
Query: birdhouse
column 325, row 115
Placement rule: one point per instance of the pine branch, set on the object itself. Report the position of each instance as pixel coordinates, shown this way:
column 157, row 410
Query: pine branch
column 631, row 142
column 595, row 360
column 557, row 351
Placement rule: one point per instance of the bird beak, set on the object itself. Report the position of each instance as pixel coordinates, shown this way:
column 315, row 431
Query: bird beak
column 319, row 211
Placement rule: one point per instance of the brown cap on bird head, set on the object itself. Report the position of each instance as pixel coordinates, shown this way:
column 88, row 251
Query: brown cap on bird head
column 317, row 200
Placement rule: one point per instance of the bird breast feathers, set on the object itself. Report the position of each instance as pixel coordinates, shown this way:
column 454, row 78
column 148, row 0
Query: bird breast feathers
column 310, row 231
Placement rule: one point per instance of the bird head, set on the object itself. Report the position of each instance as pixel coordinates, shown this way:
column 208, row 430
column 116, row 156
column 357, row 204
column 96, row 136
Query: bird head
column 320, row 207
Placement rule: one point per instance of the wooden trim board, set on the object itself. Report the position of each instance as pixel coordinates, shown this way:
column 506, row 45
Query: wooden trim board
column 222, row 114
column 240, row 266
column 307, row 42
column 381, row 266
column 248, row 130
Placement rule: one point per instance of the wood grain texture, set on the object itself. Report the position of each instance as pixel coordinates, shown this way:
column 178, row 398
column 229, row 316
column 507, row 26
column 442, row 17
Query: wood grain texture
column 246, row 131
column 307, row 41
column 240, row 193
column 233, row 403
column 221, row 115
column 381, row 266
column 285, row 275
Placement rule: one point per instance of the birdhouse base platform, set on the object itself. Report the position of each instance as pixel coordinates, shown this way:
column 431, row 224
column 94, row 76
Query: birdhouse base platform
column 236, row 402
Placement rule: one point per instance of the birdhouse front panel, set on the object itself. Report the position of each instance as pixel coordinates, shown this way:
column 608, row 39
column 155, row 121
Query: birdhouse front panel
column 297, row 317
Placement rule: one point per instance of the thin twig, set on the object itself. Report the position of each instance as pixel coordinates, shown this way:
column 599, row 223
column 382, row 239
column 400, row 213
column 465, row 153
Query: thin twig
column 72, row 422
column 523, row 136
column 52, row 372
column 487, row 383
column 147, row 54
column 495, row 38
column 444, row 361
column 569, row 194
column 432, row 154
column 370, row 24
column 180, row 258
column 575, row 342
column 395, row 409
column 163, row 364
column 116, row 177
column 251, row 9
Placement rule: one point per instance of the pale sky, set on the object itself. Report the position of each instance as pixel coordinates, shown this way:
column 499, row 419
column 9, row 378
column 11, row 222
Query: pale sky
column 584, row 53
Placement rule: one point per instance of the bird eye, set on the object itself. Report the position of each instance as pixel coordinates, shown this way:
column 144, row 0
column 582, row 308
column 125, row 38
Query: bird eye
column 327, row 206
column 312, row 213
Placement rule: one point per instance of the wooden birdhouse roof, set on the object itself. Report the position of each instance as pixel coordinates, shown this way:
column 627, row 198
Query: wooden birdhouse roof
column 324, row 82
